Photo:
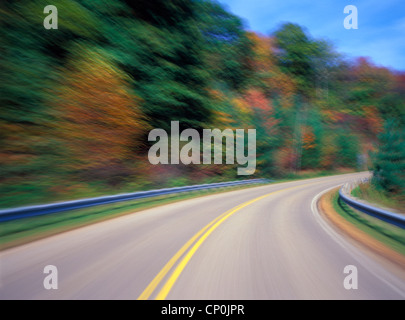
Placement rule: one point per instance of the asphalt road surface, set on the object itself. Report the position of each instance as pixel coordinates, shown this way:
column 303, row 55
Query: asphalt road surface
column 266, row 242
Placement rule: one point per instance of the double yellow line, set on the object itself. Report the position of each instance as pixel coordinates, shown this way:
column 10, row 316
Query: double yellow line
column 202, row 235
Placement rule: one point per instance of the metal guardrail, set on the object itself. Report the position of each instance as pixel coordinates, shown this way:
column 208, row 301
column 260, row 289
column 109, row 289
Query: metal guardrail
column 385, row 215
column 31, row 211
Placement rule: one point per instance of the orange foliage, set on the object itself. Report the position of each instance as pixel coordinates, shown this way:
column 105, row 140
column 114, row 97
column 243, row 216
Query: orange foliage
column 285, row 158
column 368, row 74
column 328, row 153
column 373, row 120
column 18, row 144
column 269, row 74
column 222, row 119
column 100, row 119
column 308, row 139
column 332, row 116
column 256, row 100
column 262, row 48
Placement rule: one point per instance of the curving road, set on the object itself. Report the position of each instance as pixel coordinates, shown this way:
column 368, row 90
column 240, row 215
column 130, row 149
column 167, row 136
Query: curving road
column 275, row 245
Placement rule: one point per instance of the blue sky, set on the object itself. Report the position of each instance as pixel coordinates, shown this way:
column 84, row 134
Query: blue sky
column 381, row 24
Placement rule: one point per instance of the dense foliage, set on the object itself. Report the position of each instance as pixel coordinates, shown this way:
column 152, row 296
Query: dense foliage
column 389, row 161
column 77, row 103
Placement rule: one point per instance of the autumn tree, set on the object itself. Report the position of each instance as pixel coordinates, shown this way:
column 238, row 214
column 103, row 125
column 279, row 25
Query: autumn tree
column 97, row 119
column 266, row 126
column 267, row 73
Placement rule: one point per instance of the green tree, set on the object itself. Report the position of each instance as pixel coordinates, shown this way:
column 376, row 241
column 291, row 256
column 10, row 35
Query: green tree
column 312, row 138
column 295, row 51
column 162, row 49
column 306, row 60
column 227, row 46
column 347, row 145
column 389, row 160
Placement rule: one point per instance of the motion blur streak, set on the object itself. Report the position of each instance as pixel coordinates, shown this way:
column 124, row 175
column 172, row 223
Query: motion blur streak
column 77, row 105
column 78, row 102
column 273, row 248
column 212, row 226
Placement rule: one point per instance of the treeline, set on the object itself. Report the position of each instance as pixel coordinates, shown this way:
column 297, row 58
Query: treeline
column 77, row 103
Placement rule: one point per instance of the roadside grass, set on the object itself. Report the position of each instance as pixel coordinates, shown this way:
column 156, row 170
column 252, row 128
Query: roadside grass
column 390, row 235
column 368, row 192
column 21, row 231
column 36, row 193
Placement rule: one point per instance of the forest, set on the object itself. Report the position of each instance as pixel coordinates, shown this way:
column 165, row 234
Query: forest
column 78, row 102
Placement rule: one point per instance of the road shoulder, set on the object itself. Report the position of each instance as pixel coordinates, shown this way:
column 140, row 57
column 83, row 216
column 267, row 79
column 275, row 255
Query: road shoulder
column 362, row 238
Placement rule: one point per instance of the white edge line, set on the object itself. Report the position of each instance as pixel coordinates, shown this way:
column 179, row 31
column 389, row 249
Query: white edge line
column 369, row 264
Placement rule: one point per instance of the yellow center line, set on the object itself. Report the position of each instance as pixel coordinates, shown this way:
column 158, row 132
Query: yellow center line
column 211, row 227
column 155, row 282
